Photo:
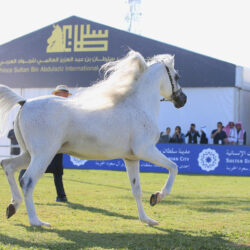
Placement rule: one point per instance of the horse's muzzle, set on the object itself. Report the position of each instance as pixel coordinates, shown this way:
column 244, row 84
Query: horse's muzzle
column 179, row 98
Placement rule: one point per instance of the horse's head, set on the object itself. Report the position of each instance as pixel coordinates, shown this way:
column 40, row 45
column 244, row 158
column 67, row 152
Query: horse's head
column 170, row 88
column 54, row 35
column 56, row 41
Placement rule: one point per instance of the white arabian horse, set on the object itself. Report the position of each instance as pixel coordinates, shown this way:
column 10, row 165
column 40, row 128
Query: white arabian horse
column 115, row 118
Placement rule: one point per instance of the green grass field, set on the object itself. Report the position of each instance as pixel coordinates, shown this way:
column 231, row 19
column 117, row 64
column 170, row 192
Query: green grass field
column 202, row 212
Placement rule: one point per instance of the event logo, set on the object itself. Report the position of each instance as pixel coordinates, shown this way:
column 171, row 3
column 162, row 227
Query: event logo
column 208, row 159
column 77, row 38
column 77, row 162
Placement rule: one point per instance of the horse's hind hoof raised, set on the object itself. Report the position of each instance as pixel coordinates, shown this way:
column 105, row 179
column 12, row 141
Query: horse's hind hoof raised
column 155, row 198
column 11, row 210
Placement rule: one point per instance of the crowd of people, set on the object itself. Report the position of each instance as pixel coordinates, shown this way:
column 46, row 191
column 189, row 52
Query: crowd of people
column 231, row 134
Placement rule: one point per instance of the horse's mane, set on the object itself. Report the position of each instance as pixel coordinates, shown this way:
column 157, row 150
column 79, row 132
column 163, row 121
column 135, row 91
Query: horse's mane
column 167, row 59
column 120, row 78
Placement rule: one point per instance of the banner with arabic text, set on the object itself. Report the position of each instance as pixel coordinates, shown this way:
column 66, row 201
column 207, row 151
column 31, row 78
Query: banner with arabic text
column 72, row 51
column 195, row 159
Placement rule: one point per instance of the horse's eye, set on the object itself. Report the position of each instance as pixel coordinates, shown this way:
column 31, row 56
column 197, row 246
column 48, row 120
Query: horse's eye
column 176, row 77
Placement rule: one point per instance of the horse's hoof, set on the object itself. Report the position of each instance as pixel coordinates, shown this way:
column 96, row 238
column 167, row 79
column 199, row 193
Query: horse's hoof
column 149, row 221
column 11, row 210
column 153, row 223
column 39, row 223
column 45, row 224
column 154, row 199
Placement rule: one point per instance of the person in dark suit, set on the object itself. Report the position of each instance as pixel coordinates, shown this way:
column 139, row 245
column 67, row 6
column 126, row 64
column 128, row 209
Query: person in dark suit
column 56, row 166
column 218, row 135
column 192, row 134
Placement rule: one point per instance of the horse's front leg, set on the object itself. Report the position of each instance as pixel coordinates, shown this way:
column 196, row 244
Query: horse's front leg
column 134, row 177
column 153, row 155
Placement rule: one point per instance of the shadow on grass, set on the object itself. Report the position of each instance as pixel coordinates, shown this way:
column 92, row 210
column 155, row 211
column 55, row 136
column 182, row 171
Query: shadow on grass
column 209, row 204
column 94, row 183
column 169, row 239
column 210, row 210
column 246, row 209
column 102, row 211
column 177, row 199
column 99, row 184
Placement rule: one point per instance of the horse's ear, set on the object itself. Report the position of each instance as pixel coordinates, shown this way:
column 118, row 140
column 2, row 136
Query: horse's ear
column 171, row 61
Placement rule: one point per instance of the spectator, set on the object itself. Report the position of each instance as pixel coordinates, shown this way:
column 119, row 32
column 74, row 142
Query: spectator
column 231, row 133
column 56, row 166
column 14, row 148
column 241, row 134
column 204, row 139
column 192, row 134
column 178, row 137
column 165, row 136
column 218, row 135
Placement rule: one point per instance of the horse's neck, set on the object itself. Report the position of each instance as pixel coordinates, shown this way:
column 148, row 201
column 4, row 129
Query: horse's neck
column 148, row 92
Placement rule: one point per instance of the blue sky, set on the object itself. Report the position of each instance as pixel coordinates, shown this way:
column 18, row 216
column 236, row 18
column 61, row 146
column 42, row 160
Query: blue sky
column 217, row 28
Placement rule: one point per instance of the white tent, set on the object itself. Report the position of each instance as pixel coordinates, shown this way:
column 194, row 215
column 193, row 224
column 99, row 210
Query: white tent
column 216, row 90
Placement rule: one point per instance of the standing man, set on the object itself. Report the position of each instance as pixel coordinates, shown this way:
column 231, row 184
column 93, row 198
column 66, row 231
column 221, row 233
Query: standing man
column 165, row 136
column 231, row 133
column 178, row 136
column 241, row 134
column 56, row 166
column 204, row 139
column 192, row 134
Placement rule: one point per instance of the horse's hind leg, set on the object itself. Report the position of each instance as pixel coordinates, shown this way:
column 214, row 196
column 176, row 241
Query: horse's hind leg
column 37, row 167
column 10, row 166
column 134, row 177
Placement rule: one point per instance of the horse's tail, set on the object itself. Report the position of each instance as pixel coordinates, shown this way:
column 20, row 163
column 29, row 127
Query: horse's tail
column 8, row 99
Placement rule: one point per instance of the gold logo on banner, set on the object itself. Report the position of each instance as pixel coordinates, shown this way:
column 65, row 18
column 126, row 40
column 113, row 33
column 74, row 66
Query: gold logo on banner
column 77, row 38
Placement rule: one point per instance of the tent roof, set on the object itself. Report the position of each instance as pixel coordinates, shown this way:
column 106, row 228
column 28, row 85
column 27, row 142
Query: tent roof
column 72, row 51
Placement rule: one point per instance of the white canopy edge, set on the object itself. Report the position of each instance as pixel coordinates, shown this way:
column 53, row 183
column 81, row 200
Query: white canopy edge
column 242, row 78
